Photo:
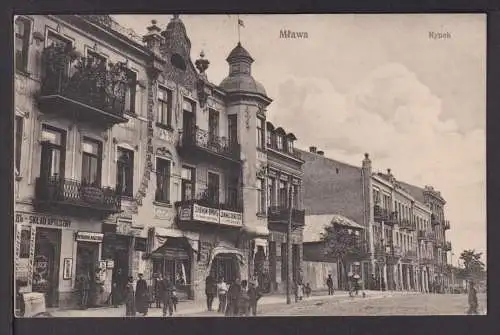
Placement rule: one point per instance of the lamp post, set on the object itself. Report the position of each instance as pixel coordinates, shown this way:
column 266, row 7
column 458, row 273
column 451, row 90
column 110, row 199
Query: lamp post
column 289, row 249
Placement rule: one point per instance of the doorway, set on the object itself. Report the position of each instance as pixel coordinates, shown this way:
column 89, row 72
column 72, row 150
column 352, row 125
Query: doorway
column 46, row 264
column 225, row 266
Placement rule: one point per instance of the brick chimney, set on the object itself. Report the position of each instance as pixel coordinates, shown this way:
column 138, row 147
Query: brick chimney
column 321, row 153
column 312, row 149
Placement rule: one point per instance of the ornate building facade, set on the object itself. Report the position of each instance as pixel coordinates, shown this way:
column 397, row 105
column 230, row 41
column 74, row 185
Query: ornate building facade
column 129, row 160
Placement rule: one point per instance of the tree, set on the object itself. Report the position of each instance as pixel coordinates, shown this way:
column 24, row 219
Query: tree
column 474, row 268
column 341, row 244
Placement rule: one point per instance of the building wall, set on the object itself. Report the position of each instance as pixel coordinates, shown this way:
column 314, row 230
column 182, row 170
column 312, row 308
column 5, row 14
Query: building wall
column 316, row 273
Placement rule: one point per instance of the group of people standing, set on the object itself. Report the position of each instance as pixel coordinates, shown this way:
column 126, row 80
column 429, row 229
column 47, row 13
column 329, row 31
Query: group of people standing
column 238, row 299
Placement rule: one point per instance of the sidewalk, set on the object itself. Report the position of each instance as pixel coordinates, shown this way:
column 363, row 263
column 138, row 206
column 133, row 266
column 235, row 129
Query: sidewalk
column 186, row 308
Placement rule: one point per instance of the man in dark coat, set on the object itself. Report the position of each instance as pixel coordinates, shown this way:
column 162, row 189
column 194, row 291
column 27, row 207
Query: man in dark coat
column 472, row 299
column 141, row 296
column 166, row 291
column 130, row 298
column 210, row 291
column 233, row 297
column 329, row 284
column 254, row 294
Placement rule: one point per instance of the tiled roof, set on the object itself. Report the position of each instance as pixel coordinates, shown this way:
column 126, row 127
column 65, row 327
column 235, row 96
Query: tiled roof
column 315, row 225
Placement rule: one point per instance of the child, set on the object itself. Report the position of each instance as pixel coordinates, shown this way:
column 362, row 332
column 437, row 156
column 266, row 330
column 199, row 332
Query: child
column 308, row 290
column 175, row 299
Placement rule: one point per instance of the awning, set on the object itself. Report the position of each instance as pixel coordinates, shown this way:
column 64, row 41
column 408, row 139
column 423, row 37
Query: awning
column 161, row 235
column 222, row 249
column 255, row 231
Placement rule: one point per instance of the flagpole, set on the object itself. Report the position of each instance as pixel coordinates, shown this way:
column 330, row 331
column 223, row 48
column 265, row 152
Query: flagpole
column 239, row 29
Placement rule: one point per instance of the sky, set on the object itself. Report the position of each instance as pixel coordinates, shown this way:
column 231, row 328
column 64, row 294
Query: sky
column 371, row 83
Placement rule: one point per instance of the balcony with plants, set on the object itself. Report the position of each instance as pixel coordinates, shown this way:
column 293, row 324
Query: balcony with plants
column 196, row 141
column 76, row 196
column 82, row 88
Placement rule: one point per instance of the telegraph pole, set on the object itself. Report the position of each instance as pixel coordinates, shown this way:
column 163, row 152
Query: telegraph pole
column 289, row 249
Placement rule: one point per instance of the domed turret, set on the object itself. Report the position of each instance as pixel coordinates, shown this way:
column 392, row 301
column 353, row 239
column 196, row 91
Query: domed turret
column 240, row 76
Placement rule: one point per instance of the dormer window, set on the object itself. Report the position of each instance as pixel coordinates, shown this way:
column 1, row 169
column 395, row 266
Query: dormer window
column 290, row 146
column 279, row 142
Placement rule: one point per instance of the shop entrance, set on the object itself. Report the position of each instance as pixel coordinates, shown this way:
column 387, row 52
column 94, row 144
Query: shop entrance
column 117, row 248
column 46, row 264
column 225, row 266
column 87, row 256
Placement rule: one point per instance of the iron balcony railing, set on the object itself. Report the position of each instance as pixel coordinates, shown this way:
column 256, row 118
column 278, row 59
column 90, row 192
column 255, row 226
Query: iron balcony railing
column 281, row 214
column 199, row 138
column 210, row 197
column 407, row 224
column 75, row 193
column 393, row 218
column 83, row 80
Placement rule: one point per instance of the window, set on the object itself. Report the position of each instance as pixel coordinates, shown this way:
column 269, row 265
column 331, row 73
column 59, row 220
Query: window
column 24, row 247
column 260, row 133
column 95, row 57
column 131, row 91
column 261, row 196
column 22, row 43
column 162, row 180
column 283, row 194
column 213, row 126
column 188, row 183
column 296, row 196
column 232, row 193
column 56, row 39
column 269, row 138
column 232, row 121
column 53, row 152
column 213, row 188
column 289, row 143
column 376, row 196
column 125, row 172
column 91, row 162
column 18, row 142
column 164, row 107
column 271, row 187
column 279, row 142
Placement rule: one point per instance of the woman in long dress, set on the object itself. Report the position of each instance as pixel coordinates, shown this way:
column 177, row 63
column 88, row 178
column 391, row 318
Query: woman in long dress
column 142, row 296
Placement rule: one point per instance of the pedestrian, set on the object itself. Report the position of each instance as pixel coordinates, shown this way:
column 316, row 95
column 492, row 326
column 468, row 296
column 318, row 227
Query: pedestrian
column 166, row 291
column 233, row 296
column 329, row 283
column 308, row 290
column 130, row 298
column 175, row 299
column 210, row 291
column 299, row 290
column 254, row 294
column 472, row 299
column 373, row 282
column 84, row 286
column 244, row 300
column 156, row 289
column 222, row 293
column 141, row 296
column 115, row 295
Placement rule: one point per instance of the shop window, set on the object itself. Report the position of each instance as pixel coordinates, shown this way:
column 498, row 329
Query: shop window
column 23, row 27
column 125, row 172
column 162, row 180
column 164, row 117
column 18, row 143
column 91, row 162
column 53, row 143
column 24, row 248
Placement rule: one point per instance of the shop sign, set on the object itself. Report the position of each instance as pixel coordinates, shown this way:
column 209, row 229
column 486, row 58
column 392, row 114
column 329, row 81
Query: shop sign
column 185, row 213
column 41, row 220
column 84, row 236
column 231, row 218
column 206, row 214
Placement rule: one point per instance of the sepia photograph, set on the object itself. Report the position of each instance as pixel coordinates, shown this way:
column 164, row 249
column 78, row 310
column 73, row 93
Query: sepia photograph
column 177, row 165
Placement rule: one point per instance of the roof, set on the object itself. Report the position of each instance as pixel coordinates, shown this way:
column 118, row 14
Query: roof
column 242, row 83
column 315, row 225
column 414, row 191
column 239, row 52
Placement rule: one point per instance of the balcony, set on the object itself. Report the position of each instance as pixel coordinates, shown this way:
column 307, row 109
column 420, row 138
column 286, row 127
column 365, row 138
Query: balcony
column 197, row 141
column 446, row 225
column 396, row 252
column 447, row 246
column 81, row 89
column 393, row 218
column 410, row 254
column 380, row 214
column 281, row 215
column 76, row 196
column 206, row 207
column 434, row 220
column 408, row 225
